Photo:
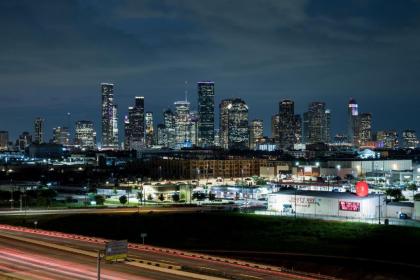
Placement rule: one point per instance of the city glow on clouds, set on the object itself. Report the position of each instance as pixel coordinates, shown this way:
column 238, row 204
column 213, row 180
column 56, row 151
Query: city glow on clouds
column 55, row 53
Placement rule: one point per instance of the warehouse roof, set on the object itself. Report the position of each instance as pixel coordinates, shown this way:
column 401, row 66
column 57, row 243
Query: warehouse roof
column 338, row 195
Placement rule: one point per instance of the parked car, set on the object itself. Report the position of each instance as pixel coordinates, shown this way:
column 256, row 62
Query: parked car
column 403, row 216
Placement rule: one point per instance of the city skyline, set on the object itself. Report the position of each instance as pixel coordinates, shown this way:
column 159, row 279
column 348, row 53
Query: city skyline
column 302, row 50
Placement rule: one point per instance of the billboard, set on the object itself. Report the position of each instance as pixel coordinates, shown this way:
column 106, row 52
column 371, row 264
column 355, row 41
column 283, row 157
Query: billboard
column 349, row 206
column 116, row 250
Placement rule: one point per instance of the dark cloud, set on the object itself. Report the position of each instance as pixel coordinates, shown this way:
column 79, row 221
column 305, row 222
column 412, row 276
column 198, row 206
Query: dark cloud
column 54, row 54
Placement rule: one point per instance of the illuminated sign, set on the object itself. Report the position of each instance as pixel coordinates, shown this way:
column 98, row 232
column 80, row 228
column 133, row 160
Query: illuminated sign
column 349, row 206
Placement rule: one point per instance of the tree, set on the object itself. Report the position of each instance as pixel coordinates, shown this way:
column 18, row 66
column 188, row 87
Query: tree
column 161, row 197
column 100, row 200
column 412, row 187
column 212, row 196
column 417, row 197
column 395, row 193
column 175, row 197
column 123, row 199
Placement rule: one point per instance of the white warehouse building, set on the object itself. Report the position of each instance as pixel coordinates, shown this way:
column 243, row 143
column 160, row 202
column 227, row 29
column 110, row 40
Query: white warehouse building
column 337, row 204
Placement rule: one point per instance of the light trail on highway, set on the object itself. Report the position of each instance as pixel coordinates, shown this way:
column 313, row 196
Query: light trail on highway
column 36, row 266
column 222, row 266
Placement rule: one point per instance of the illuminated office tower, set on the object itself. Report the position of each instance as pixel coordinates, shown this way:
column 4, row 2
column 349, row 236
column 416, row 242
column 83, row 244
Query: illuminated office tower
column 149, row 129
column 224, row 123
column 4, row 140
column 61, row 135
column 289, row 132
column 238, row 129
column 168, row 136
column 136, row 124
column 182, row 124
column 194, row 128
column 364, row 129
column 316, row 123
column 352, row 122
column 256, row 133
column 85, row 135
column 39, row 131
column 409, row 139
column 109, row 117
column 206, row 113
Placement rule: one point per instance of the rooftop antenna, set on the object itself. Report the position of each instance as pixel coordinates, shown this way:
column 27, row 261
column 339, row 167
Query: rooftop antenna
column 186, row 90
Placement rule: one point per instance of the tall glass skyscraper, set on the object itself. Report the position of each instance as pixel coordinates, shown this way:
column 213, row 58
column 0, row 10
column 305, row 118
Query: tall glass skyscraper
column 136, row 124
column 206, row 113
column 289, row 126
column 149, row 129
column 238, row 129
column 224, row 123
column 352, row 121
column 109, row 117
column 317, row 123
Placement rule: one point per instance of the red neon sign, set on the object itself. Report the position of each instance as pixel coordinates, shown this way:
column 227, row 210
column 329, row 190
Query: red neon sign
column 349, row 206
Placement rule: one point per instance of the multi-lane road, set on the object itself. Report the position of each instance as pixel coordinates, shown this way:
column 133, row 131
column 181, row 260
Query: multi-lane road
column 38, row 254
column 37, row 212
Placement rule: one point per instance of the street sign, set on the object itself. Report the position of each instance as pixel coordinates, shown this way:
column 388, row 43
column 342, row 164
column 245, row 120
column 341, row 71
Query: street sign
column 143, row 235
column 116, row 250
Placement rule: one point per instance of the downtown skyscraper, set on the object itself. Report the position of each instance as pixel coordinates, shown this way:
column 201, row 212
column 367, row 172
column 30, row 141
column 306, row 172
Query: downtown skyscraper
column 149, row 137
column 238, row 128
column 289, row 125
column 85, row 135
column 134, row 125
column 224, row 122
column 256, row 133
column 109, row 117
column 316, row 124
column 352, row 121
column 206, row 113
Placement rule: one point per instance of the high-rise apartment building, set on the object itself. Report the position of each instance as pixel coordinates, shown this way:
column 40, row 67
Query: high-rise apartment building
column 409, row 139
column 149, row 129
column 256, row 133
column 85, row 135
column 109, row 117
column 4, row 140
column 39, row 131
column 224, row 122
column 205, row 114
column 24, row 140
column 289, row 125
column 238, row 129
column 317, row 123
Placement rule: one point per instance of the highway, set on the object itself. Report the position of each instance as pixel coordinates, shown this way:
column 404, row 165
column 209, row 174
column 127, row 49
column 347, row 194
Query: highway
column 39, row 254
column 38, row 212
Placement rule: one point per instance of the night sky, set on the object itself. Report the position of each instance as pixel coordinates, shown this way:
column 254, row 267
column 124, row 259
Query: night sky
column 54, row 54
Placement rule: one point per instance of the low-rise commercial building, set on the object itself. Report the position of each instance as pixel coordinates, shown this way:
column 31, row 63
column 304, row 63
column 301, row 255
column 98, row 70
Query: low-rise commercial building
column 337, row 204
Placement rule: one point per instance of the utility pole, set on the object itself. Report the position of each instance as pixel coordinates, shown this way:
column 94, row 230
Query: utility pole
column 98, row 265
column 379, row 207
